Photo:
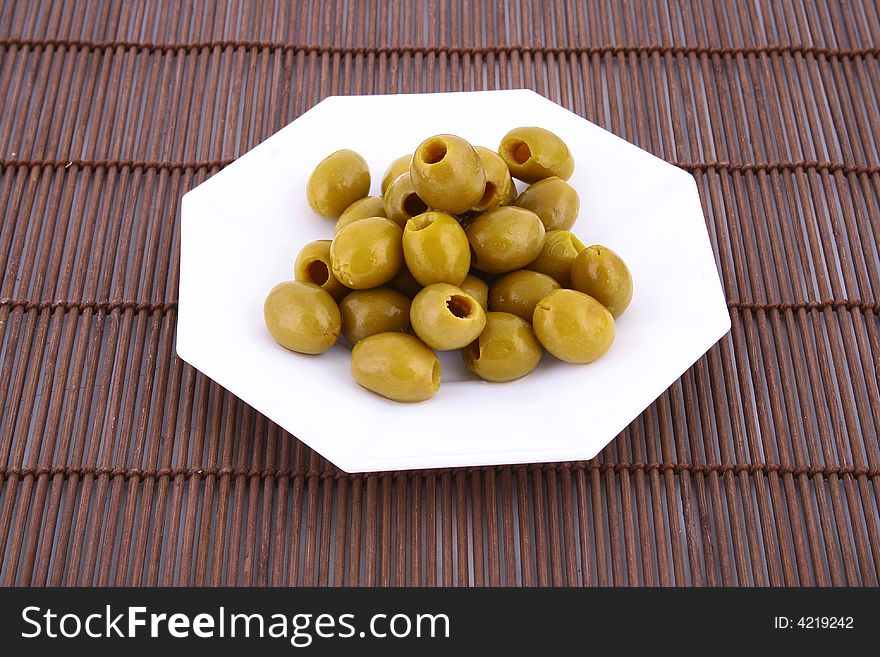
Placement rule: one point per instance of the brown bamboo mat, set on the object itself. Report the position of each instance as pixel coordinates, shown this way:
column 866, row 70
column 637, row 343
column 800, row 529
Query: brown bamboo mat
column 119, row 464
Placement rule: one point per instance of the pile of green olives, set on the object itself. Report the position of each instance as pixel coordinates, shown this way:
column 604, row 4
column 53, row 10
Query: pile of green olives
column 451, row 257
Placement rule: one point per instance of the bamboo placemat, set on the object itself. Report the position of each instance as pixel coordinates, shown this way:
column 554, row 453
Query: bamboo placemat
column 119, row 464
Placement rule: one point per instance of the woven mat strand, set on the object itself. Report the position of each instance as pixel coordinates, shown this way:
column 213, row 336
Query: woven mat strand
column 119, row 464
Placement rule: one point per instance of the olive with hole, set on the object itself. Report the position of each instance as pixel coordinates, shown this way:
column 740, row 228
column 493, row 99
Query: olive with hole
column 504, row 239
column 339, row 180
column 368, row 312
column 436, row 249
column 447, row 173
column 302, row 317
column 556, row 203
column 401, row 200
column 367, row 253
column 519, row 292
column 499, row 188
column 312, row 265
column 478, row 289
column 397, row 168
column 601, row 273
column 573, row 326
column 445, row 317
column 369, row 206
column 557, row 255
column 507, row 349
column 397, row 366
column 533, row 154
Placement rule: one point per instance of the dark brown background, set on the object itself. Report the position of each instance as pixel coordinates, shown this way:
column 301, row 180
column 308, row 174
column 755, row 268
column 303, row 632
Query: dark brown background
column 119, row 464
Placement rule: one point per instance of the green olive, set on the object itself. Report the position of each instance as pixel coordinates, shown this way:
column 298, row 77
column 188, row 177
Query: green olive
column 533, row 153
column 557, row 255
column 519, row 292
column 478, row 289
column 313, row 266
column 573, row 326
column 369, row 206
column 601, row 273
column 397, row 168
column 555, row 202
column 302, row 317
column 367, row 253
column 445, row 317
column 397, row 366
column 404, row 283
column 402, row 202
column 447, row 173
column 436, row 249
column 339, row 180
column 368, row 312
column 499, row 188
column 507, row 349
column 505, row 239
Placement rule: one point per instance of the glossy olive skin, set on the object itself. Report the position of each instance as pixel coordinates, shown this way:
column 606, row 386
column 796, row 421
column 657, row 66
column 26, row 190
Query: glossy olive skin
column 404, row 283
column 499, row 188
column 533, row 154
column 478, row 289
column 557, row 255
column 573, row 326
column 369, row 206
column 445, row 317
column 504, row 239
column 402, row 201
column 367, row 253
column 339, row 180
column 507, row 349
column 601, row 273
column 397, row 366
column 436, row 249
column 396, row 169
column 447, row 173
column 555, row 202
column 368, row 312
column 312, row 265
column 302, row 317
column 519, row 292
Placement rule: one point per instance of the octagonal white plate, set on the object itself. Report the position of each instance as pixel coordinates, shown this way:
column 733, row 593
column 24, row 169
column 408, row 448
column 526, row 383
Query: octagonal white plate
column 243, row 228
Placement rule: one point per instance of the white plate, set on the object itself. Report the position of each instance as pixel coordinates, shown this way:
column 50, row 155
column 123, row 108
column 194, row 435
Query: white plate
column 243, row 228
